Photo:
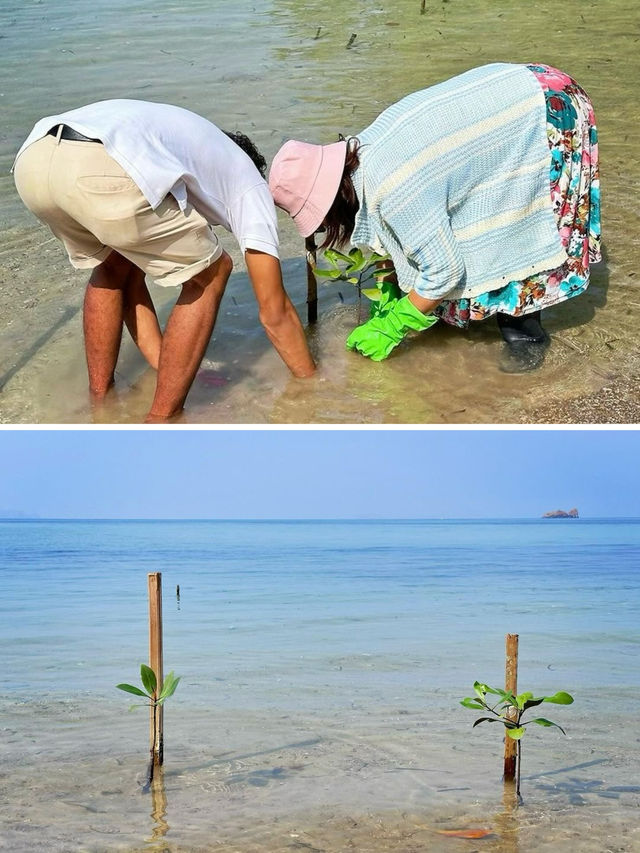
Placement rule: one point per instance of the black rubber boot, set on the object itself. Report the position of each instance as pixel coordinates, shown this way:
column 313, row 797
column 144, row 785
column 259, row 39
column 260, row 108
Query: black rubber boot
column 526, row 342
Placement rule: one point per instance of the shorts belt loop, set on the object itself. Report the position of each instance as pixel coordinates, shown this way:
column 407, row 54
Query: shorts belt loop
column 59, row 133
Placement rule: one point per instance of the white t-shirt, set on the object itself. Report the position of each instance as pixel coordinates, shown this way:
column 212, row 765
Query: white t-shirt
column 167, row 149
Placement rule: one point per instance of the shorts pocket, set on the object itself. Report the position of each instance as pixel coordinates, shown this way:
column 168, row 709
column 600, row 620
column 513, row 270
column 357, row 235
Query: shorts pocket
column 105, row 183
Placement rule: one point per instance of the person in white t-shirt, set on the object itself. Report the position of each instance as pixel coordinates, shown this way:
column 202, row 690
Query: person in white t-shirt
column 132, row 188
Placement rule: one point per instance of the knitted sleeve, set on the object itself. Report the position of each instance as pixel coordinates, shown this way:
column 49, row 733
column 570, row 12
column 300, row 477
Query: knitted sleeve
column 439, row 263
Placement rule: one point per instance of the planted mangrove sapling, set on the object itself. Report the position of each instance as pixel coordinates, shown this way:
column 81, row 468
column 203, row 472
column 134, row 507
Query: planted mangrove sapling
column 363, row 271
column 150, row 692
column 509, row 710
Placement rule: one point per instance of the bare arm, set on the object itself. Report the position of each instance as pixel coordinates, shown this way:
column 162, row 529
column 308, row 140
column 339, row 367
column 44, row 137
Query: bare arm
column 422, row 304
column 277, row 314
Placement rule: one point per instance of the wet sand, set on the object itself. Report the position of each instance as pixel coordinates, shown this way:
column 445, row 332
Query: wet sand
column 297, row 78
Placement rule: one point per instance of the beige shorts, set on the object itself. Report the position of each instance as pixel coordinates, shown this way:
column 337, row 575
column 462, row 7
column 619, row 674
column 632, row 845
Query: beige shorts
column 92, row 205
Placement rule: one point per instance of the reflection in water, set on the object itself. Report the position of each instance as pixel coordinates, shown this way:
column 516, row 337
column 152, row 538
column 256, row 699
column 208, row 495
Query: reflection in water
column 506, row 821
column 158, row 812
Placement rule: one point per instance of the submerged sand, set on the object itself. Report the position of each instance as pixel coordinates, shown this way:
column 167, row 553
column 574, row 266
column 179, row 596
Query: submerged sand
column 589, row 374
column 391, row 780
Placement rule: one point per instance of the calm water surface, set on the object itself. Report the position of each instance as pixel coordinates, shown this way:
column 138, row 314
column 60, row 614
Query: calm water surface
column 285, row 601
column 322, row 664
column 276, row 69
column 288, row 597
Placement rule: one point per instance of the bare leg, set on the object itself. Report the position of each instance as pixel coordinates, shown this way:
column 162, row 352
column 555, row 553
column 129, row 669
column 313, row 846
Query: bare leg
column 102, row 318
column 140, row 317
column 186, row 336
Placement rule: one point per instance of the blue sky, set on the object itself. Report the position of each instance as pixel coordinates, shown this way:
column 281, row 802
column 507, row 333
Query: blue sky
column 318, row 473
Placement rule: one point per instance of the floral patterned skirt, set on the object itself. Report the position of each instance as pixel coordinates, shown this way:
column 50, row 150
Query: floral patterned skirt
column 575, row 193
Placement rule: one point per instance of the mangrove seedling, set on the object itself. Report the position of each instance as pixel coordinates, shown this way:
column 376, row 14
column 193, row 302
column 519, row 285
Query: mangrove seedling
column 509, row 710
column 363, row 271
column 150, row 692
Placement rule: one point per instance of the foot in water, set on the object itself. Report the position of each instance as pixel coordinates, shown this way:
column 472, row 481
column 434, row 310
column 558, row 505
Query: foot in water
column 525, row 340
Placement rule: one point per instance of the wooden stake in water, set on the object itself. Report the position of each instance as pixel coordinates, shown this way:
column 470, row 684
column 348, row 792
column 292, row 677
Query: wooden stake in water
column 312, row 284
column 511, row 685
column 155, row 662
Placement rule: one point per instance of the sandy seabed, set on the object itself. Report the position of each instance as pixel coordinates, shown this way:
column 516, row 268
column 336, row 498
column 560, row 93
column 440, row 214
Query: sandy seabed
column 590, row 373
column 253, row 782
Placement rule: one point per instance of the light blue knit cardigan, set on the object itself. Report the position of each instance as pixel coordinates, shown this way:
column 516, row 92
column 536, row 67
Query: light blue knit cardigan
column 453, row 183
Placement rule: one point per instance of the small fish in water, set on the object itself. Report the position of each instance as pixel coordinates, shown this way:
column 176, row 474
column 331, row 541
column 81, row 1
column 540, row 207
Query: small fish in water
column 465, row 833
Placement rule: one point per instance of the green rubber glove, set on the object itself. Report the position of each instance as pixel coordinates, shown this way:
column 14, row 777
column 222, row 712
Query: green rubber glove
column 378, row 336
column 389, row 293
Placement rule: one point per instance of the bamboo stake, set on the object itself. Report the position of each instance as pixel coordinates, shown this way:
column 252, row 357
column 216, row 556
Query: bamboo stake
column 312, row 284
column 155, row 662
column 511, row 685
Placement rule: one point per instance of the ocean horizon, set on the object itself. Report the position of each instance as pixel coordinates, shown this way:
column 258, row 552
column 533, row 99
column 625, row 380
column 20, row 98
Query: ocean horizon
column 328, row 519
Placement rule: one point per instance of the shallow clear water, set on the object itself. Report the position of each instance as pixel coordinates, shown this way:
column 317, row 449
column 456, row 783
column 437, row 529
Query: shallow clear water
column 321, row 665
column 275, row 597
column 280, row 68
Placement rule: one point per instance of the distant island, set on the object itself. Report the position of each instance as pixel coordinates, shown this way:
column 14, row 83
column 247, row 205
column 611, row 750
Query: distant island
column 560, row 513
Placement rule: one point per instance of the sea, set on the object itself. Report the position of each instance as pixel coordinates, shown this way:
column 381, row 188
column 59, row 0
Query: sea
column 322, row 665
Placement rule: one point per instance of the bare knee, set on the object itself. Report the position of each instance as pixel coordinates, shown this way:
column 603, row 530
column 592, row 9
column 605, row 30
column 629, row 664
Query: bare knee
column 220, row 270
column 214, row 276
column 113, row 272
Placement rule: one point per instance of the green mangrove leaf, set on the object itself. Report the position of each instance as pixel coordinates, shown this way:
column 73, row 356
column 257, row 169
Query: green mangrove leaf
column 507, row 695
column 129, row 688
column 357, row 264
column 546, row 723
column 332, row 274
column 335, row 257
column 485, row 720
column 169, row 686
column 470, row 702
column 560, row 698
column 516, row 734
column 531, row 703
column 148, row 677
column 484, row 688
column 371, row 293
column 521, row 698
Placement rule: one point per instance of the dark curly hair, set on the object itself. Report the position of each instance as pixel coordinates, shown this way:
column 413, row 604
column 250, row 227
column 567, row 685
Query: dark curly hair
column 249, row 148
column 341, row 218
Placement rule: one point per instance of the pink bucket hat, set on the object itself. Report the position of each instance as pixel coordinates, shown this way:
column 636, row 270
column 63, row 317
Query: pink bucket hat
column 304, row 181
